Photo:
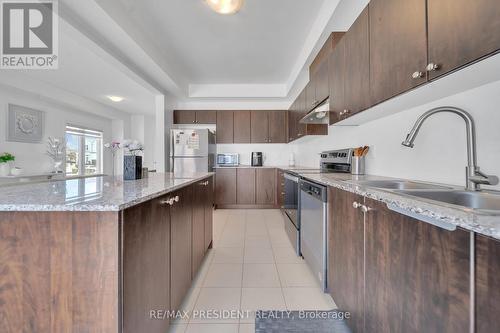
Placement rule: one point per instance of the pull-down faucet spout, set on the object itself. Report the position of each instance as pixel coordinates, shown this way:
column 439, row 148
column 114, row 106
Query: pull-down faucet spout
column 474, row 177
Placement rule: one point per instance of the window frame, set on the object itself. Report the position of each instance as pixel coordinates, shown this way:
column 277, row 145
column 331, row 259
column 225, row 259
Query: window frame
column 83, row 133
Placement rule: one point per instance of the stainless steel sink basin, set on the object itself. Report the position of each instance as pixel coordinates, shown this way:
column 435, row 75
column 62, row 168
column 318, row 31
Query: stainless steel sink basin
column 401, row 185
column 475, row 200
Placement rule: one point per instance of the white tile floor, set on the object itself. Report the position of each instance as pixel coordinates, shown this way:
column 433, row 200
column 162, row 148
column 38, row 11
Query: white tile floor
column 252, row 266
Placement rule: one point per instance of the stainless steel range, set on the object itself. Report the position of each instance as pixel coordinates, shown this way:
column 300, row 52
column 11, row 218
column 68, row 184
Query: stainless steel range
column 306, row 209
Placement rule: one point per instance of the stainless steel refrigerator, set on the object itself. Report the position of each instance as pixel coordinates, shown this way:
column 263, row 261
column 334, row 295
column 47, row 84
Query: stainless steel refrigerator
column 192, row 150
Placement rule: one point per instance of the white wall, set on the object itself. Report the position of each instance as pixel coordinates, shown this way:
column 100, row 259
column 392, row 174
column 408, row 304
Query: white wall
column 274, row 154
column 31, row 157
column 440, row 148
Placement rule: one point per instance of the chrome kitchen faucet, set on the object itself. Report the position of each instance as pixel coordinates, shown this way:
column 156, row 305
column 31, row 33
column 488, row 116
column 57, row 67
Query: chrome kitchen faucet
column 474, row 177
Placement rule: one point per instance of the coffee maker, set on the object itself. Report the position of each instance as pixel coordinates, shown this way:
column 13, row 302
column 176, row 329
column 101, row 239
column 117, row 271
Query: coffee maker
column 257, row 159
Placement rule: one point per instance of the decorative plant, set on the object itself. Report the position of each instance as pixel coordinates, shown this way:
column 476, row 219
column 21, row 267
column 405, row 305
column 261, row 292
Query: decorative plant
column 133, row 147
column 55, row 149
column 113, row 147
column 7, row 157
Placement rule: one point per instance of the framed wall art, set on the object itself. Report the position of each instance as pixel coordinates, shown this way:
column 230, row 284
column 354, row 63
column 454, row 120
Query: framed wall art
column 25, row 124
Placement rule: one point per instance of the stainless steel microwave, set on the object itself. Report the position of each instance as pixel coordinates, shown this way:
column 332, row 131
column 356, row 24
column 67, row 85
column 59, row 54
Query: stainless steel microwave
column 228, row 159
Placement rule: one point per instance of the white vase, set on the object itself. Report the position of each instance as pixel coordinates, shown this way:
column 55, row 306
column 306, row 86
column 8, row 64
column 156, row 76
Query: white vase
column 4, row 169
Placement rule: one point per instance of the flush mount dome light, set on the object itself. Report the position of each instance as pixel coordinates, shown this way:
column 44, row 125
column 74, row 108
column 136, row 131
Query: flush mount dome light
column 115, row 98
column 225, row 6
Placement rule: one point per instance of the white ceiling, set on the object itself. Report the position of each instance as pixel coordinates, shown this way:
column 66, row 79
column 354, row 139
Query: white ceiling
column 258, row 45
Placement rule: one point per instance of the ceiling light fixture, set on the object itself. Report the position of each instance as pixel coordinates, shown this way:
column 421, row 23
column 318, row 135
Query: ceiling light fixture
column 225, row 6
column 116, row 98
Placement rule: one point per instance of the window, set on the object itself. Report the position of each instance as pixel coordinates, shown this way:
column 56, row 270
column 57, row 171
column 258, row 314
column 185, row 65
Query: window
column 83, row 151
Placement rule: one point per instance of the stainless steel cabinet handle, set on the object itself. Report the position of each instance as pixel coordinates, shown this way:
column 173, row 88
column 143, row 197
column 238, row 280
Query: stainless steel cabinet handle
column 432, row 67
column 356, row 204
column 169, row 201
column 417, row 75
column 176, row 198
column 365, row 209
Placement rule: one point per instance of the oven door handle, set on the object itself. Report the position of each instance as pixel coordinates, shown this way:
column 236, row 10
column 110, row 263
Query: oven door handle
column 292, row 178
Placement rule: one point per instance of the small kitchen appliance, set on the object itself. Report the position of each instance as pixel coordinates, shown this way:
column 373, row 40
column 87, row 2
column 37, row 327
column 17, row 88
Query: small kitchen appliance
column 228, row 160
column 257, row 159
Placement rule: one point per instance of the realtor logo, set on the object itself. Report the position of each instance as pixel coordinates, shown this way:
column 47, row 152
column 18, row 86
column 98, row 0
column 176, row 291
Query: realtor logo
column 29, row 34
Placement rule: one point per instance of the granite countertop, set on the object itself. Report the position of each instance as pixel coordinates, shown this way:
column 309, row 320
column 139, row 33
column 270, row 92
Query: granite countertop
column 100, row 193
column 281, row 167
column 485, row 223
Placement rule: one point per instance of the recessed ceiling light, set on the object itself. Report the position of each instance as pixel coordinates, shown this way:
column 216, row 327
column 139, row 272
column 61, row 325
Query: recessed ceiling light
column 116, row 98
column 225, row 6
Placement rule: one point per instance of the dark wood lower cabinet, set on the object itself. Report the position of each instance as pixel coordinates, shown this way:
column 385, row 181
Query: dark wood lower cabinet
column 345, row 248
column 225, row 186
column 181, row 246
column 146, row 266
column 487, row 262
column 265, row 186
column 245, row 186
column 198, row 230
column 417, row 275
column 209, row 209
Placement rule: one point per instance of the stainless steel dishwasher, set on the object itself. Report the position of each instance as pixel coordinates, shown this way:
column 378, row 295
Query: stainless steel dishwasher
column 313, row 229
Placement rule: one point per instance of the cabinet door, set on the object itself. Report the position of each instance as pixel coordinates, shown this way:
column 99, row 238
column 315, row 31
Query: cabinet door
column 209, row 208
column 265, row 186
column 184, row 117
column 337, row 78
column 225, row 186
column 277, row 127
column 417, row 275
column 461, row 31
column 310, row 97
column 487, row 284
column 224, row 127
column 260, row 127
column 206, row 117
column 245, row 186
column 181, row 214
column 281, row 189
column 198, row 230
column 398, row 46
column 345, row 255
column 357, row 65
column 241, row 127
column 146, row 283
column 300, row 112
column 321, row 81
column 292, row 125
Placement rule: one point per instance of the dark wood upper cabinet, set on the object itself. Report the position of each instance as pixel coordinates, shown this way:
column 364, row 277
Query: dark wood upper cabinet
column 487, row 284
column 346, row 254
column 242, row 126
column 184, row 117
column 195, row 117
column 398, row 47
column 337, row 78
column 245, row 186
column 265, row 180
column 277, row 126
column 417, row 275
column 460, row 32
column 310, row 97
column 225, row 186
column 321, row 78
column 206, row 117
column 300, row 111
column 260, row 127
column 357, row 66
column 292, row 123
column 181, row 246
column 225, row 127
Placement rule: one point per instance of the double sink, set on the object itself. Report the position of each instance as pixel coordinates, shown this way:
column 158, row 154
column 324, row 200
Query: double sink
column 481, row 201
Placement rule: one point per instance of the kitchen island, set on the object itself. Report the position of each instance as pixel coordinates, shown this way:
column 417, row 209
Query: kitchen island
column 100, row 254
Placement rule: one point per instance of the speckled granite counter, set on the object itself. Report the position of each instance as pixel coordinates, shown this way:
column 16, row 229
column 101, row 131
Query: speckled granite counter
column 102, row 193
column 481, row 222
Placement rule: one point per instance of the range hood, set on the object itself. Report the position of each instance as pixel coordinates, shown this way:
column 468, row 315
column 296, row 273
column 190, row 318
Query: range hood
column 320, row 115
